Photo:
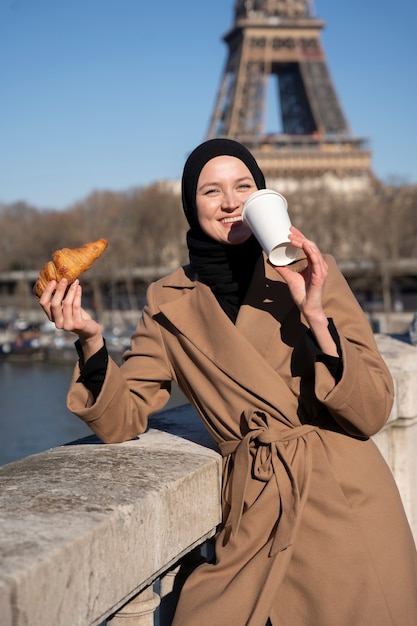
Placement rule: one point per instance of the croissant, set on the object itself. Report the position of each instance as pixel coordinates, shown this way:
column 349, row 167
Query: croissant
column 69, row 263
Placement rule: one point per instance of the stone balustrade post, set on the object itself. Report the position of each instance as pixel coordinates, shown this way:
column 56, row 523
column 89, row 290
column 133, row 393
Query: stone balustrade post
column 169, row 593
column 172, row 581
column 138, row 612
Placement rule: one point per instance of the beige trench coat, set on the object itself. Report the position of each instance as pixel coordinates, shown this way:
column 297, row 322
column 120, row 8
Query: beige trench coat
column 314, row 531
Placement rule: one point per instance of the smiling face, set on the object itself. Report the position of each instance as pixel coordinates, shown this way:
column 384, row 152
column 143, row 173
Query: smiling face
column 223, row 185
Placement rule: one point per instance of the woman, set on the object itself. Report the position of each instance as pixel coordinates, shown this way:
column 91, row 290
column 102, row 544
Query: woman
column 283, row 369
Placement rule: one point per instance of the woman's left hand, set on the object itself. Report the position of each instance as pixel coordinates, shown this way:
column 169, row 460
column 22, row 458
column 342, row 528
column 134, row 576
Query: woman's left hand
column 307, row 286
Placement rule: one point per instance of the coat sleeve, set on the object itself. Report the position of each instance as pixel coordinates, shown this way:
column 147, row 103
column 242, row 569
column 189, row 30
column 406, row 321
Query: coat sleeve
column 131, row 393
column 361, row 401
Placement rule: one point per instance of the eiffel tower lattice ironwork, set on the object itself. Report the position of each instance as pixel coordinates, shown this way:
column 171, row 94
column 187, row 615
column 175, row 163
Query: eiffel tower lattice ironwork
column 276, row 44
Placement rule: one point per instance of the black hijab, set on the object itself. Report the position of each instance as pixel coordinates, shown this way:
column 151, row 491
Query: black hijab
column 225, row 268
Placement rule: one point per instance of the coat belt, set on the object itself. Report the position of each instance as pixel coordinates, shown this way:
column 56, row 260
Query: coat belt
column 262, row 452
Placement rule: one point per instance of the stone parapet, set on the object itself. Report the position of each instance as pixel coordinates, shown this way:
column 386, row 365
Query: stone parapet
column 398, row 440
column 85, row 527
column 401, row 359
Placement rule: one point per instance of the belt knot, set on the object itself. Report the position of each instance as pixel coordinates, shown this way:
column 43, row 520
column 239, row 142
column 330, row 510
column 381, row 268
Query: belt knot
column 262, row 452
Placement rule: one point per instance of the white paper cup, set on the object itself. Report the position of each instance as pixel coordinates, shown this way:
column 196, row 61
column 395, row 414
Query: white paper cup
column 266, row 214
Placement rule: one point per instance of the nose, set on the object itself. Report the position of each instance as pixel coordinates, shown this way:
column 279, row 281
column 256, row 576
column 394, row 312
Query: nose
column 230, row 200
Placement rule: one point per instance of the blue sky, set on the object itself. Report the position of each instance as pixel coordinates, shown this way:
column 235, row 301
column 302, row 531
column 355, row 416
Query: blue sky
column 113, row 94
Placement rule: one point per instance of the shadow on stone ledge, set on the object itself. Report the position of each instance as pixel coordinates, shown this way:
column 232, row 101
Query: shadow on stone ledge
column 182, row 421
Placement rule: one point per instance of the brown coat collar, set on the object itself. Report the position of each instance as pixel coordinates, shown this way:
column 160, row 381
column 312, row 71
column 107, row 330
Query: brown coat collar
column 195, row 313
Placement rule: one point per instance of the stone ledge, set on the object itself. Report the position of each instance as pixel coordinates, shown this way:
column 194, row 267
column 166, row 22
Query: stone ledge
column 401, row 359
column 84, row 527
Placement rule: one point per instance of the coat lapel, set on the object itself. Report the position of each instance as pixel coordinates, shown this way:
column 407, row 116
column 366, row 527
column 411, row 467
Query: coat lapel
column 265, row 308
column 240, row 351
column 198, row 316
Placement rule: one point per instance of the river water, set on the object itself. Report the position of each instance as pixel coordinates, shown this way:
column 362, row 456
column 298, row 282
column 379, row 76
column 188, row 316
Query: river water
column 34, row 417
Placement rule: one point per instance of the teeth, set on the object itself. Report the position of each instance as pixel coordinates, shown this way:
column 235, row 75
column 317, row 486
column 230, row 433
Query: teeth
column 228, row 220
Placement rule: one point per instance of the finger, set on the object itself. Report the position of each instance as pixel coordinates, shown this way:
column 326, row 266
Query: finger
column 295, row 233
column 77, row 300
column 296, row 237
column 70, row 294
column 70, row 318
column 285, row 273
column 295, row 230
column 47, row 293
column 56, row 303
column 59, row 293
column 61, row 289
column 312, row 252
column 45, row 299
column 301, row 241
column 316, row 257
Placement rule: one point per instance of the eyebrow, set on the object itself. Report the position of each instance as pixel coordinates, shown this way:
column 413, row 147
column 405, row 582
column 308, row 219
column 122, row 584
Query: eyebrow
column 214, row 183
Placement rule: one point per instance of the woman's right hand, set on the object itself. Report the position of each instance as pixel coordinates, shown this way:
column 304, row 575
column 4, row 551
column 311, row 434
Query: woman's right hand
column 65, row 311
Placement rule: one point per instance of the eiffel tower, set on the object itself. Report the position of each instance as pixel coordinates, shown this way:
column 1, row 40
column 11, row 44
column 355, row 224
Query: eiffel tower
column 275, row 45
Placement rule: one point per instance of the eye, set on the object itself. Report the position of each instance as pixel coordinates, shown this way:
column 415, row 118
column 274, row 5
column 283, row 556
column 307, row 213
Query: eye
column 211, row 191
